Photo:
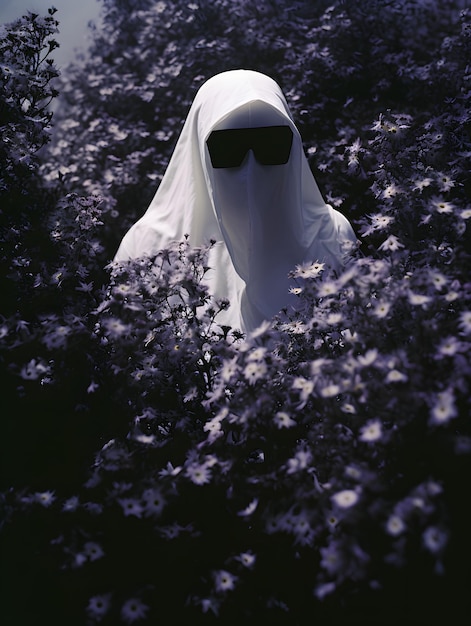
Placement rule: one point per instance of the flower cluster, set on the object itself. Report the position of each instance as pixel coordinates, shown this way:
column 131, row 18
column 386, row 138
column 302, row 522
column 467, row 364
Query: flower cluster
column 162, row 467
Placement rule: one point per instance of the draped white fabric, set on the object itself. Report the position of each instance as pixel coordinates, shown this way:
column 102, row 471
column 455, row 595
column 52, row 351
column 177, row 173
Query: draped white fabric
column 265, row 219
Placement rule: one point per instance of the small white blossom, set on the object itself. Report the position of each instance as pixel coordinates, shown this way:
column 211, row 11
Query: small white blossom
column 330, row 391
column 71, row 504
column 345, row 499
column 438, row 280
column 449, row 346
column 247, row 559
column 283, row 420
column 444, row 407
column 327, row 288
column 371, row 431
column 368, row 358
column 304, row 386
column 308, row 270
column 93, row 551
column 418, row 299
column 133, row 610
column 229, row 369
column 434, row 539
column 465, row 322
column 224, row 581
column 255, row 370
column 154, row 502
column 421, row 184
column 381, row 309
column 46, row 498
column 392, row 243
column 395, row 376
column 442, row 207
column 98, row 606
column 300, row 461
column 395, row 525
column 131, row 506
column 198, row 474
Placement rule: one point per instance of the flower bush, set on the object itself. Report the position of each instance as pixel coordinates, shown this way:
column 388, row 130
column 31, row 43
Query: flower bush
column 162, row 467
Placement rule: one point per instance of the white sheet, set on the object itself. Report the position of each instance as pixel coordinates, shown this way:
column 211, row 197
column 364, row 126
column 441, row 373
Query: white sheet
column 265, row 219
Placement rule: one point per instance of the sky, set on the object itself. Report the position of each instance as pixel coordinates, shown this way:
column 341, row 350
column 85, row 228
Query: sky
column 73, row 16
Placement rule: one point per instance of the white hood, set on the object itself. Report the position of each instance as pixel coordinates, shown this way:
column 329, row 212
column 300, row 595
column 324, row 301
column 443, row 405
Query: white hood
column 264, row 218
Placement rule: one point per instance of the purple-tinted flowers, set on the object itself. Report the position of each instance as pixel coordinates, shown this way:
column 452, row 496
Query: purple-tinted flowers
column 321, row 450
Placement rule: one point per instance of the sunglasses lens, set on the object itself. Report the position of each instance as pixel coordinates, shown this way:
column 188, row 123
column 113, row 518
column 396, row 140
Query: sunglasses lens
column 227, row 148
column 271, row 145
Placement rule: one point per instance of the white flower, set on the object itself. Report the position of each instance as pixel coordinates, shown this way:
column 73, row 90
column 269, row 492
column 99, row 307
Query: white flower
column 133, row 610
column 209, row 604
column 368, row 358
column 434, row 539
column 115, row 327
column 258, row 354
column 57, row 338
column 395, row 525
column 327, row 288
column 300, row 461
column 438, row 279
column 247, row 559
column 302, row 530
column 147, row 440
column 391, row 191
column 334, row 318
column 372, row 431
column 283, row 420
column 418, row 299
column 345, row 499
column 93, row 551
column 442, row 207
column 33, row 370
column 46, row 498
column 329, row 391
column 395, row 376
column 445, row 182
column 449, row 346
column 224, row 581
column 380, row 221
column 381, row 309
column 255, row 370
column 98, row 606
column 444, row 408
column 213, row 427
column 198, row 474
column 131, row 506
column 229, row 369
column 308, row 270
column 465, row 322
column 305, row 387
column 71, row 504
column 154, row 502
column 391, row 243
column 421, row 184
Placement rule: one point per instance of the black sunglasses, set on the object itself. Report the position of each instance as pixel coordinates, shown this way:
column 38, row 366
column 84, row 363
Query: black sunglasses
column 271, row 145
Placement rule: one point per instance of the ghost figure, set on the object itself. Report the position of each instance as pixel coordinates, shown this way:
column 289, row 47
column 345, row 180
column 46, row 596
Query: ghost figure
column 239, row 176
